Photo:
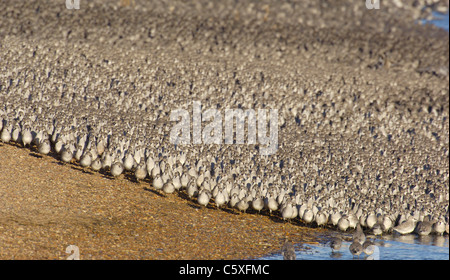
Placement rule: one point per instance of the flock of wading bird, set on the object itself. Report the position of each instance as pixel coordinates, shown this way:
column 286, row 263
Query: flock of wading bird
column 351, row 151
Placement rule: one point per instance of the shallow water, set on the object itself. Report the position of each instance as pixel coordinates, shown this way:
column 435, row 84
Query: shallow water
column 440, row 20
column 391, row 247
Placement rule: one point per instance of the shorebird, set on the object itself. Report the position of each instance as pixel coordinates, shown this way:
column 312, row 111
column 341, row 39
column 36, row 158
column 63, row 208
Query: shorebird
column 203, row 197
column 59, row 145
column 86, row 159
column 176, row 181
column 193, row 172
column 356, row 248
column 424, row 228
column 258, row 204
column 5, row 136
column 352, row 220
column 182, row 158
column 294, row 211
column 128, row 161
column 200, row 179
column 335, row 217
column 321, row 218
column 96, row 164
column 377, row 229
column 158, row 182
column 219, row 199
column 79, row 152
column 116, row 168
column 272, row 204
column 184, row 180
column 206, row 184
column 243, row 204
column 192, row 189
column 150, row 164
column 362, row 219
column 141, row 170
column 287, row 211
column 27, row 137
column 288, row 251
column 387, row 224
column 15, row 134
column 343, row 223
column 308, row 216
column 44, row 147
column 168, row 188
column 359, row 234
column 156, row 170
column 336, row 243
column 439, row 226
column 368, row 247
column 406, row 227
column 234, row 200
column 165, row 176
column 371, row 220
column 100, row 146
column 301, row 210
column 66, row 154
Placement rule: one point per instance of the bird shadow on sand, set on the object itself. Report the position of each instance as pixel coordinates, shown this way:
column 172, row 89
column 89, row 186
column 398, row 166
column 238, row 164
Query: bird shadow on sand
column 276, row 217
column 106, row 175
column 195, row 206
column 191, row 201
column 80, row 168
column 130, row 177
column 154, row 192
column 229, row 211
column 35, row 155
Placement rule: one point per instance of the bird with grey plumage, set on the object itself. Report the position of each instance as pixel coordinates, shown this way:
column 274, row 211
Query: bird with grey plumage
column 67, row 153
column 203, row 197
column 191, row 189
column 141, row 170
column 168, row 188
column 343, row 223
column 158, row 182
column 439, row 226
column 336, row 243
column 288, row 251
column 96, row 164
column 377, row 229
column 44, row 147
column 355, row 248
column 116, row 169
column 243, row 204
column 258, row 204
column 407, row 226
column 220, row 199
column 371, row 251
column 359, row 234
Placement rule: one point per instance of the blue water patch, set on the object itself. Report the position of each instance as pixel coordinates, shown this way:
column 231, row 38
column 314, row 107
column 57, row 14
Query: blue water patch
column 439, row 20
column 391, row 247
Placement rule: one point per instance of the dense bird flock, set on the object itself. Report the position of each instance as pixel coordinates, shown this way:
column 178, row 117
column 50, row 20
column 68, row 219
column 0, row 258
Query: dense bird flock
column 363, row 104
